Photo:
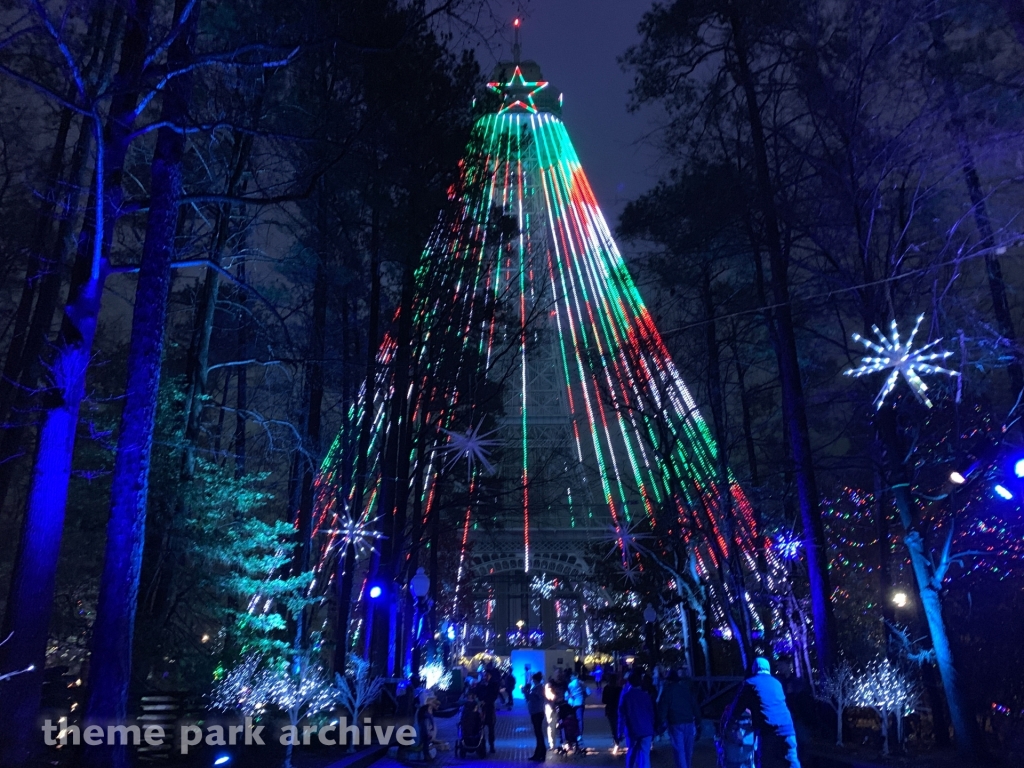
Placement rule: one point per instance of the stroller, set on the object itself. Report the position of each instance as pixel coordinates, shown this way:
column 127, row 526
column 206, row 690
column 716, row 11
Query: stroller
column 471, row 731
column 737, row 745
column 569, row 728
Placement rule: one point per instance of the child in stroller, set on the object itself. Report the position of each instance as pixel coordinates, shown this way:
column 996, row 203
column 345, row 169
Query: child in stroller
column 737, row 746
column 471, row 729
column 569, row 728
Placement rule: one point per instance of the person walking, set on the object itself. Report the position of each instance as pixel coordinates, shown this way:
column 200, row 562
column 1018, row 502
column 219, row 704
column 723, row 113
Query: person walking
column 508, row 682
column 763, row 696
column 598, row 674
column 610, row 698
column 679, row 713
column 553, row 696
column 576, row 694
column 535, row 701
column 488, row 691
column 636, row 718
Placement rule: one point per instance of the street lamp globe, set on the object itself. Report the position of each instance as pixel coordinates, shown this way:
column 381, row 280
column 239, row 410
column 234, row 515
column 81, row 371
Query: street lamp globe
column 650, row 615
column 420, row 584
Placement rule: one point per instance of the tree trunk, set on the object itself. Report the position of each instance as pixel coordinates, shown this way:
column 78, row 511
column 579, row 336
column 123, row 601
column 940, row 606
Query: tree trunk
column 309, row 452
column 240, row 443
column 30, row 367
column 394, row 484
column 161, row 591
column 793, row 405
column 26, row 368
column 33, row 581
column 979, row 206
column 345, row 573
column 928, row 588
column 38, row 266
column 113, row 631
column 19, row 352
column 748, row 422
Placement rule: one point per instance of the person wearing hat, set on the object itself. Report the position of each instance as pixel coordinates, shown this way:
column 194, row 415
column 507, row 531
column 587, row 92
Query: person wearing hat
column 762, row 694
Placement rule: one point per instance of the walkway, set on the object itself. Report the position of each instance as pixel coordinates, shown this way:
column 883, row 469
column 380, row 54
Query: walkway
column 514, row 744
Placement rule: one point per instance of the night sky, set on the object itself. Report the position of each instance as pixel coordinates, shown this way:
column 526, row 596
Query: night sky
column 577, row 44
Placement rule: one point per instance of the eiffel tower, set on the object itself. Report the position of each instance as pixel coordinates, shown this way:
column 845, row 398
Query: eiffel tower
column 590, row 435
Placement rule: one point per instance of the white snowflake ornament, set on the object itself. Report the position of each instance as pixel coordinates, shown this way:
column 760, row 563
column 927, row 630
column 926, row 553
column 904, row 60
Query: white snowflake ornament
column 899, row 358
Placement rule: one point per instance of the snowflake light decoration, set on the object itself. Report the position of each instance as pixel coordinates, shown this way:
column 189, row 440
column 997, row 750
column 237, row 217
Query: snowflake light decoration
column 542, row 586
column 472, row 446
column 631, row 575
column 900, row 359
column 787, row 543
column 628, row 539
column 356, row 533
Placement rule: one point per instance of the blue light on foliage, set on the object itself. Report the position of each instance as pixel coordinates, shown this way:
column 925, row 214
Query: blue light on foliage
column 222, row 760
column 375, row 591
column 1002, row 492
column 1018, row 468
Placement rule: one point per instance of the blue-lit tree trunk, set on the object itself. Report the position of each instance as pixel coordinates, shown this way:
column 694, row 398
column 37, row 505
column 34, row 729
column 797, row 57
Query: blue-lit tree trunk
column 928, row 575
column 24, row 374
column 113, row 631
column 30, row 603
column 43, row 280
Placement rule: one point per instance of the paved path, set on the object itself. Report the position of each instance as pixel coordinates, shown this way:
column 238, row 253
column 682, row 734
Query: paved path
column 514, row 744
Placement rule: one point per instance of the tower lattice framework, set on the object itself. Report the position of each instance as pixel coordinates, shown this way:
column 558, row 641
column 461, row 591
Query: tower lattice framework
column 590, row 429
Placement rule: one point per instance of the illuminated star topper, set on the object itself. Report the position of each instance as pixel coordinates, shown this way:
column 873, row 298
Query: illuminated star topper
column 518, row 92
column 900, row 359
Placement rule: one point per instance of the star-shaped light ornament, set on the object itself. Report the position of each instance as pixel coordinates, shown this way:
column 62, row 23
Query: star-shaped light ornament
column 517, row 94
column 356, row 533
column 900, row 359
column 472, row 446
column 628, row 539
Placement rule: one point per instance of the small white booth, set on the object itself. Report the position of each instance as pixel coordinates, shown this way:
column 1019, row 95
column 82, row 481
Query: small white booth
column 526, row 661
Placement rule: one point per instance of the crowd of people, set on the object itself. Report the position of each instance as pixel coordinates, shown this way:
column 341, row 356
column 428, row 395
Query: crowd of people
column 638, row 707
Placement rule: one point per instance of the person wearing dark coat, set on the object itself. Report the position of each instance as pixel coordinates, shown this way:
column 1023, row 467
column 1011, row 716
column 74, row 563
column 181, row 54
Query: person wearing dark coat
column 610, row 698
column 488, row 691
column 535, row 701
column 508, row 682
column 636, row 718
column 679, row 713
column 762, row 694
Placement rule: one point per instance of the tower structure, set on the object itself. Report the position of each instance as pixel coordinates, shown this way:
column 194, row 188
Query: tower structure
column 538, row 407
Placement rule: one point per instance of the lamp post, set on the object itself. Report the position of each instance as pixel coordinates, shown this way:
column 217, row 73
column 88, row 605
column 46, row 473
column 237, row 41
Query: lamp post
column 419, row 587
column 651, row 616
